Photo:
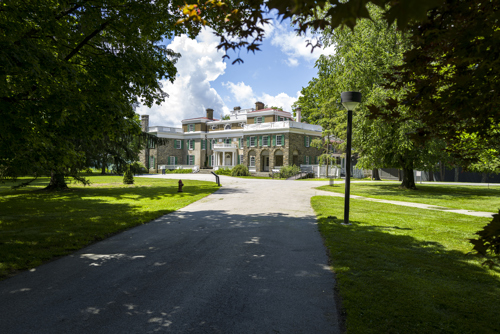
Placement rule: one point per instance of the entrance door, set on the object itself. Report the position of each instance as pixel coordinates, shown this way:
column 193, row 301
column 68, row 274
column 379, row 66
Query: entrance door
column 228, row 160
column 295, row 160
column 266, row 164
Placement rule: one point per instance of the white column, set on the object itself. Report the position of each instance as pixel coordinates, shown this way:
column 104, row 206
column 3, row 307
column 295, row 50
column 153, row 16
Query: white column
column 216, row 158
column 234, row 159
column 223, row 159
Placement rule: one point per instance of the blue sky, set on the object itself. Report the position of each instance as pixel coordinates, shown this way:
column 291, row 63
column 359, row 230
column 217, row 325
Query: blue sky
column 275, row 75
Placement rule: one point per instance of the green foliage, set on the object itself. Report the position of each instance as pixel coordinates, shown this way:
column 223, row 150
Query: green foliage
column 225, row 117
column 138, row 168
column 488, row 243
column 128, row 178
column 452, row 71
column 179, row 171
column 223, row 171
column 288, row 171
column 240, row 170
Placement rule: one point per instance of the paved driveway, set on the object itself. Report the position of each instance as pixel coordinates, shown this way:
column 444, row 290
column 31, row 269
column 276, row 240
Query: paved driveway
column 246, row 259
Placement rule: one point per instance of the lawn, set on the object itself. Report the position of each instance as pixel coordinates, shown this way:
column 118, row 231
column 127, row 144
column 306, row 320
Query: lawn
column 37, row 226
column 405, row 270
column 476, row 198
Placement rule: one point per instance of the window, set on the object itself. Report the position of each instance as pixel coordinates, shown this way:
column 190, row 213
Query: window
column 227, row 127
column 265, row 141
column 203, row 144
column 151, row 143
column 260, row 119
column 306, row 141
column 171, row 161
column 307, row 160
column 241, row 159
column 152, row 162
column 191, row 144
column 190, row 127
column 252, row 161
column 190, row 160
column 252, row 141
column 227, row 141
column 279, row 140
column 214, row 127
column 178, row 144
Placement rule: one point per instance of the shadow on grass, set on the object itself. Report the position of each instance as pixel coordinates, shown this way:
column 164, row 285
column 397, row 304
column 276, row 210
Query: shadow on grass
column 36, row 226
column 189, row 271
column 395, row 283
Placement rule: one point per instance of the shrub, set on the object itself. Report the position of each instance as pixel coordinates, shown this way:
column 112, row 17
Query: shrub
column 223, row 171
column 240, row 170
column 138, row 168
column 488, row 243
column 288, row 171
column 128, row 178
column 179, row 171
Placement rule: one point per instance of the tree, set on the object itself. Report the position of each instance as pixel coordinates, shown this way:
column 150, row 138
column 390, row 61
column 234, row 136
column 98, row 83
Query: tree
column 452, row 71
column 362, row 57
column 70, row 75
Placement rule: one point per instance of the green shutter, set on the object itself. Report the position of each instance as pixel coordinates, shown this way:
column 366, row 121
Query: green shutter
column 210, row 142
column 248, row 141
column 187, row 159
column 239, row 159
column 274, row 140
column 260, row 141
column 282, row 140
column 182, row 143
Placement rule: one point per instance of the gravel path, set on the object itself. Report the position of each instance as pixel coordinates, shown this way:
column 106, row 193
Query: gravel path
column 246, row 259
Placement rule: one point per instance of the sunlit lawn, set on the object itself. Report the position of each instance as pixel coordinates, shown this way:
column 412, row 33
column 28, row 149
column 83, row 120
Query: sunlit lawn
column 478, row 198
column 406, row 270
column 36, row 226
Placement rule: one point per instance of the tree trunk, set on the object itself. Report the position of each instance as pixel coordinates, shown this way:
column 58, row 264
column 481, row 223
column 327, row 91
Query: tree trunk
column 103, row 171
column 441, row 172
column 456, row 173
column 57, row 182
column 408, row 179
column 375, row 174
column 399, row 175
column 484, row 177
column 431, row 176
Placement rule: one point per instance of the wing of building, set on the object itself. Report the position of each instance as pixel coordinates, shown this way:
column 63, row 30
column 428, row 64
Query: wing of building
column 261, row 138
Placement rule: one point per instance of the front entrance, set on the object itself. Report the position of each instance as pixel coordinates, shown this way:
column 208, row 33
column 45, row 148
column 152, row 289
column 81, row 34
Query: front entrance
column 265, row 161
column 228, row 161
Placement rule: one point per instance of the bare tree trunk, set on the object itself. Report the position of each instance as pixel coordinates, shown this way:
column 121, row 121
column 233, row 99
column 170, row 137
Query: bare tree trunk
column 400, row 177
column 103, row 171
column 484, row 177
column 431, row 176
column 408, row 179
column 57, row 182
column 375, row 174
column 441, row 172
column 456, row 173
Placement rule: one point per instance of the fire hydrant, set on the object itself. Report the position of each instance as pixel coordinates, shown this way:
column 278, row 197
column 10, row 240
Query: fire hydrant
column 180, row 186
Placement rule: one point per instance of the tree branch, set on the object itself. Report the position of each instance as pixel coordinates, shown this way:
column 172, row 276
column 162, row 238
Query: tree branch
column 87, row 39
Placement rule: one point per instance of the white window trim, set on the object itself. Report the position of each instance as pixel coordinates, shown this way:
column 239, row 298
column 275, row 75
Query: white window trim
column 260, row 120
column 308, row 141
column 178, row 144
column 190, row 127
column 265, row 140
column 189, row 144
column 191, row 160
column 227, row 127
column 252, row 161
column 252, row 137
column 280, row 140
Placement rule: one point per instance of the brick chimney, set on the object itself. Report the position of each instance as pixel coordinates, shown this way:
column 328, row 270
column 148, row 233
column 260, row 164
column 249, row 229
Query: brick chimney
column 298, row 116
column 145, row 123
column 210, row 113
column 259, row 105
column 236, row 108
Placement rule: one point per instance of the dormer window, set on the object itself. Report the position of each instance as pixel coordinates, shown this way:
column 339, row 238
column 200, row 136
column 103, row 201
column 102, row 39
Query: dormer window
column 227, row 127
column 214, row 127
column 190, row 127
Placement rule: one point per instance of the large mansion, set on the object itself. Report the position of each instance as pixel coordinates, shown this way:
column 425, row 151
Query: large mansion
column 261, row 138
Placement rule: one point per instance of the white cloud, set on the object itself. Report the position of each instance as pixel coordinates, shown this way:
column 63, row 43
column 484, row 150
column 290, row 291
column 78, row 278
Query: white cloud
column 294, row 46
column 244, row 95
column 191, row 92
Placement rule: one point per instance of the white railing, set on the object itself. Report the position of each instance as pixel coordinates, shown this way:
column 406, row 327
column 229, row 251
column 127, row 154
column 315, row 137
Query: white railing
column 164, row 129
column 232, row 145
column 171, row 167
column 281, row 125
column 221, row 166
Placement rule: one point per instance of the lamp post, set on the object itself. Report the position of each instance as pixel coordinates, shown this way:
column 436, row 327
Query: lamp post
column 350, row 100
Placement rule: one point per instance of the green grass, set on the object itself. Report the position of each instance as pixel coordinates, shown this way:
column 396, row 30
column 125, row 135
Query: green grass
column 37, row 226
column 478, row 198
column 254, row 177
column 405, row 270
column 319, row 179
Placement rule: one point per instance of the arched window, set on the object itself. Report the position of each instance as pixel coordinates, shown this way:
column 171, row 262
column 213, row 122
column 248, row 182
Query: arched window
column 227, row 127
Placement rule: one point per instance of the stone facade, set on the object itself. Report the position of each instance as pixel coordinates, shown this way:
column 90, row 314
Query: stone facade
column 228, row 147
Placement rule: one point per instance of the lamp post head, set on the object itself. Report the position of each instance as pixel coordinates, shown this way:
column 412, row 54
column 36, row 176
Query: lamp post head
column 350, row 100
